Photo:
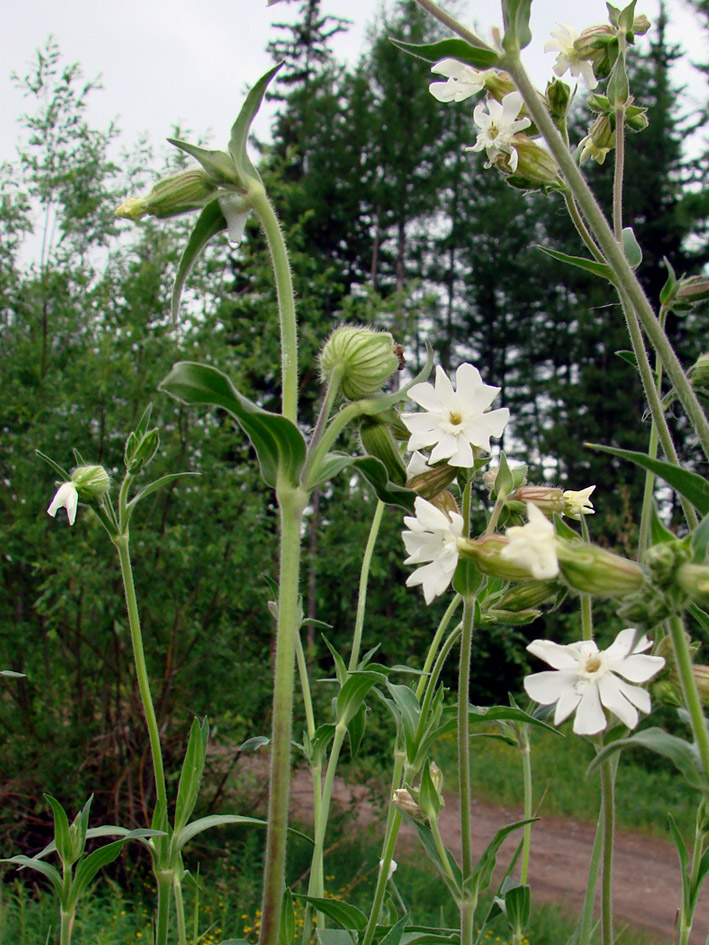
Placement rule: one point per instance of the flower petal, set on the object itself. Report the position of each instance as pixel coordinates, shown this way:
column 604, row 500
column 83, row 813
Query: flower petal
column 590, row 717
column 614, row 700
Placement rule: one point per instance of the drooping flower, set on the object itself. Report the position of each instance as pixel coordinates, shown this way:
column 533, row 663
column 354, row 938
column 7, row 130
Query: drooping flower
column 66, row 497
column 455, row 420
column 578, row 504
column 587, row 680
column 533, row 546
column 498, row 123
column 563, row 40
column 235, row 214
column 462, row 81
column 431, row 541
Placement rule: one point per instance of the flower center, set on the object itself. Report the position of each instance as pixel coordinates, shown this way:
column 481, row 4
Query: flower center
column 593, row 664
column 455, row 418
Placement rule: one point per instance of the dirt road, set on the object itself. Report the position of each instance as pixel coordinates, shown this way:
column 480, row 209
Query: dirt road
column 647, row 881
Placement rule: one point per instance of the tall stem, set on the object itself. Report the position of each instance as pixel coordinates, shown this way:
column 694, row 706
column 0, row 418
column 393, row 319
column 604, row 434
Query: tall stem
column 291, row 502
column 286, row 303
column 618, row 173
column 363, row 581
column 527, row 830
column 66, row 925
column 646, row 513
column 692, row 702
column 467, row 908
column 608, row 795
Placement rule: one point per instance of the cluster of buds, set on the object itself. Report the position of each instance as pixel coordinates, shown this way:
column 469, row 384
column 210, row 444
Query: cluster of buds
column 602, row 133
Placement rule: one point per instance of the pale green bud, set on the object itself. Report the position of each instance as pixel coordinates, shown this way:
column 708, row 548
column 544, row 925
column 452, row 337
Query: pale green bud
column 526, row 596
column 558, row 96
column 188, row 190
column 598, row 45
column 140, row 450
column 700, row 371
column 405, row 802
column 599, row 140
column 535, row 165
column 91, row 482
column 593, row 570
column 663, row 561
column 361, row 358
column 547, row 498
column 694, row 581
column 432, row 482
column 693, row 289
column 377, row 440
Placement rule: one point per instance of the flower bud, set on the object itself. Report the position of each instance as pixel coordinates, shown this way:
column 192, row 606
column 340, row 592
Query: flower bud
column 437, row 779
column 188, row 190
column 140, row 450
column 526, row 596
column 486, row 553
column 578, row 504
column 558, row 96
column 598, row 45
column 91, row 482
column 593, row 570
column 429, row 484
column 405, row 802
column 361, row 358
column 663, row 561
column 641, row 25
column 666, row 693
column 599, row 141
column 535, row 165
column 700, row 371
column 547, row 498
column 693, row 289
column 694, row 581
column 377, row 441
column 446, row 503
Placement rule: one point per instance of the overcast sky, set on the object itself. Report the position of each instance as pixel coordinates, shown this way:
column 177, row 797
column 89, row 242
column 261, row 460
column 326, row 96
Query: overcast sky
column 164, row 62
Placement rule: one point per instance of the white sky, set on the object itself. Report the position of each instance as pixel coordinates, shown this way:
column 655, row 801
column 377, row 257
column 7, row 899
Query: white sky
column 164, row 62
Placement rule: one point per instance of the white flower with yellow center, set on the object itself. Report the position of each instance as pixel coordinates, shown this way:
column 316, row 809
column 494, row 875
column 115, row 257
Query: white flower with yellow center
column 462, row 81
column 577, row 504
column 432, row 541
column 562, row 41
column 455, row 420
column 498, row 123
column 66, row 497
column 586, row 680
column 533, row 546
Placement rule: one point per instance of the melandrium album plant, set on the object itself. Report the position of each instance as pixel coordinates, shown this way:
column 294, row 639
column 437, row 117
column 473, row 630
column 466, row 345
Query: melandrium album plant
column 498, row 549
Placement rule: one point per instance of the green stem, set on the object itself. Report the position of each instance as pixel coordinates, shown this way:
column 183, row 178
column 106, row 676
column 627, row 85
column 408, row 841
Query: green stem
column 608, row 800
column 318, row 450
column 586, row 599
column 164, row 880
column 363, row 581
column 435, row 643
column 179, row 911
column 692, row 702
column 527, row 830
column 586, row 922
column 618, row 173
column 286, row 302
column 66, row 925
column 122, row 546
column 451, row 641
column 581, row 227
column 648, row 492
column 292, row 503
column 466, row 644
column 391, row 834
column 686, row 917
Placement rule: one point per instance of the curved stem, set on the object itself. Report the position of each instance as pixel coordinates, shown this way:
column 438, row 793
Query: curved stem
column 291, row 502
column 286, row 303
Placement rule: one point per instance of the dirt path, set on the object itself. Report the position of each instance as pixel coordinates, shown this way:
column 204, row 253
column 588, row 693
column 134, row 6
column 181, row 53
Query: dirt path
column 647, row 881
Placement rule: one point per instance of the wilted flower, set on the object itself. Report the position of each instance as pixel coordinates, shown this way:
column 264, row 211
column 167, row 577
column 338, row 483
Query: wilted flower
column 498, row 123
column 586, row 679
column 455, row 420
column 577, row 504
column 66, row 497
column 402, row 799
column 236, row 214
column 562, row 41
column 431, row 541
column 533, row 546
column 462, row 81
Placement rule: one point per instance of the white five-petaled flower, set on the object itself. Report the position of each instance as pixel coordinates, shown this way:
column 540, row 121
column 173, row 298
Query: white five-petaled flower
column 432, row 541
column 498, row 123
column 562, row 42
column 578, row 504
column 587, row 680
column 462, row 81
column 455, row 420
column 66, row 497
column 533, row 546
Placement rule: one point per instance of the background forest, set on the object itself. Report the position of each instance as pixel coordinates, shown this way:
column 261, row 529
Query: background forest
column 388, row 223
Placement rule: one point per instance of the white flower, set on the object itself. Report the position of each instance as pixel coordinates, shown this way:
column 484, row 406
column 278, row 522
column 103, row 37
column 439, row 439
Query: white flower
column 577, row 504
column 498, row 123
column 66, row 497
column 432, row 537
column 533, row 546
column 455, row 420
column 463, row 81
column 568, row 58
column 393, row 866
column 586, row 679
column 589, row 148
column 417, row 465
column 232, row 206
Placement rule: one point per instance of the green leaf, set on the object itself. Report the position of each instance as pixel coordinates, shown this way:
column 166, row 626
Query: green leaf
column 210, row 222
column 588, row 265
column 515, row 19
column 340, row 668
column 61, row 831
column 254, row 743
column 482, row 874
column 631, row 248
column 429, row 845
column 191, row 775
column 322, row 736
column 334, row 937
column 481, row 57
column 700, row 541
column 46, row 869
column 218, row 164
column 279, row 444
column 241, row 127
column 467, row 579
column 341, row 912
column 206, row 823
column 354, row 692
column 628, row 356
column 286, row 930
column 659, row 533
column 89, row 867
column 395, row 933
column 356, row 727
column 409, row 712
column 689, row 484
column 373, row 470
column 683, row 755
column 154, row 486
column 700, row 616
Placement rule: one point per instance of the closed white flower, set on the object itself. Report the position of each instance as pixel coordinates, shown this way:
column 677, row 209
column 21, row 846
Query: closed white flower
column 457, row 419
column 533, row 546
column 66, row 497
column 587, row 680
column 578, row 504
column 431, row 540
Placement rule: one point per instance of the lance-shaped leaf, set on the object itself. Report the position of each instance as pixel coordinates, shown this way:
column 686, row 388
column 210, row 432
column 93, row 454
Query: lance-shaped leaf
column 90, row 865
column 588, row 265
column 191, row 776
column 408, row 712
column 689, row 484
column 683, row 755
column 32, row 863
column 218, row 164
column 206, row 823
column 279, row 444
column 242, row 126
column 480, row 57
column 153, row 487
column 210, row 222
column 341, row 912
column 356, row 727
column 481, row 876
column 447, row 871
column 354, row 692
column 373, row 470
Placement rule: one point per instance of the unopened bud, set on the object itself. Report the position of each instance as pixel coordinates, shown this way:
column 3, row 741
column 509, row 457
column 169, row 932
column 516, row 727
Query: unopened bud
column 593, row 570
column 693, row 289
column 694, row 581
column 666, row 693
column 599, row 140
column 377, row 441
column 486, row 552
column 700, row 371
column 558, row 96
column 437, row 778
column 445, row 501
column 140, row 450
column 598, row 45
column 91, row 482
column 547, row 498
column 188, row 190
column 663, row 561
column 535, row 165
column 405, row 802
column 361, row 358
column 432, row 482
column 641, row 25
column 526, row 596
